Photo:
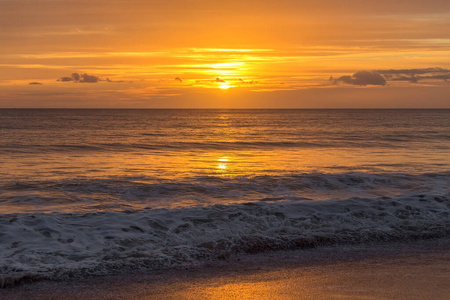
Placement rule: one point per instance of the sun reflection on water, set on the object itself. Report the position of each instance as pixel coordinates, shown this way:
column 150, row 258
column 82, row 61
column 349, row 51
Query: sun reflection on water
column 222, row 163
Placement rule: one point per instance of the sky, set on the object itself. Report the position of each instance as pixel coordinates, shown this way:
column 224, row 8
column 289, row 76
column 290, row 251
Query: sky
column 224, row 54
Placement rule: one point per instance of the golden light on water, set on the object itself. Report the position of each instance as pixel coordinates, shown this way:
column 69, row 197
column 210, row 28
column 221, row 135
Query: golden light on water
column 222, row 167
column 223, row 163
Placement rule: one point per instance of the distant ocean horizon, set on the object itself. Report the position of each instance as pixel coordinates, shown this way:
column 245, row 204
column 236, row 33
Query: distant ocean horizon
column 90, row 191
column 218, row 109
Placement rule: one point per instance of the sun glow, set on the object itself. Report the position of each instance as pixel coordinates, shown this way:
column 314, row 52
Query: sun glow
column 224, row 85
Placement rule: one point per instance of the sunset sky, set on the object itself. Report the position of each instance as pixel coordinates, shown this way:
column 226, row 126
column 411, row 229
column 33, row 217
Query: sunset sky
column 225, row 54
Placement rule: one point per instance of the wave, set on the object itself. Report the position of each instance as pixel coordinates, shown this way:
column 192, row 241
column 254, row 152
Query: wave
column 63, row 245
column 130, row 147
column 122, row 193
column 162, row 142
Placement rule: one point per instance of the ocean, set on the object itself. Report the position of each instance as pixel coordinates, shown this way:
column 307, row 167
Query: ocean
column 104, row 191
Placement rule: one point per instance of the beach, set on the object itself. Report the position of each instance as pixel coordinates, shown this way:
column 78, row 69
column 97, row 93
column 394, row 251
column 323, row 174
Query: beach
column 413, row 270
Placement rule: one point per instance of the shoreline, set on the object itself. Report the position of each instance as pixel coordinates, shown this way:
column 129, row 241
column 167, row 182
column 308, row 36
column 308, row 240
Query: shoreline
column 409, row 270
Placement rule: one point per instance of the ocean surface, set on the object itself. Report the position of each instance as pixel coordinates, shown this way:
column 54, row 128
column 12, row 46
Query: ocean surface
column 97, row 191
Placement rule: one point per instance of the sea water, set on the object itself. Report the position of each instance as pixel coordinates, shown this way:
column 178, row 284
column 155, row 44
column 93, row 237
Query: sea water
column 94, row 191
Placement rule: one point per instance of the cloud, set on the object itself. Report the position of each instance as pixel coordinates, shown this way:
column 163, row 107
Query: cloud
column 442, row 76
column 414, row 75
column 381, row 77
column 109, row 80
column 35, row 83
column 413, row 71
column 412, row 79
column 363, row 78
column 89, row 78
column 212, row 81
column 65, row 79
column 76, row 77
column 246, row 82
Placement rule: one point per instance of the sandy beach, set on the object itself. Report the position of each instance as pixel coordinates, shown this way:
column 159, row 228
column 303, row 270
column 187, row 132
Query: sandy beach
column 419, row 270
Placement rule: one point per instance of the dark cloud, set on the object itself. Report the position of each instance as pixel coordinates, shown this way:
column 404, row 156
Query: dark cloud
column 89, row 78
column 109, row 80
column 76, row 77
column 412, row 79
column 179, row 79
column 35, row 83
column 246, row 82
column 414, row 75
column 413, row 71
column 442, row 76
column 363, row 78
column 64, row 79
column 210, row 81
column 380, row 77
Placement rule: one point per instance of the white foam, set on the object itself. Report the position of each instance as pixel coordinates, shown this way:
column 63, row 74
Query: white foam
column 67, row 244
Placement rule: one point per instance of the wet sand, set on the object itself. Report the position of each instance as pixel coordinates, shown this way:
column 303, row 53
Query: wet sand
column 419, row 270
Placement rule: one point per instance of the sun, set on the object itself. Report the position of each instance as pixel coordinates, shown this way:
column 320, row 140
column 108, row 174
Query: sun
column 224, row 85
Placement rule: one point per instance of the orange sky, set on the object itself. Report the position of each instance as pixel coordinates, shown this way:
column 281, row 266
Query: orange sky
column 212, row 54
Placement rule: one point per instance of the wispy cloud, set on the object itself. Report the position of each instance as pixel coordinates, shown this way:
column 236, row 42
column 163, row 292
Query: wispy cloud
column 416, row 75
column 382, row 77
column 413, row 71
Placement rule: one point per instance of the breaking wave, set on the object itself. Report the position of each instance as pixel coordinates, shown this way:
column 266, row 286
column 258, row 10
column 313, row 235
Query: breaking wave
column 63, row 245
column 124, row 193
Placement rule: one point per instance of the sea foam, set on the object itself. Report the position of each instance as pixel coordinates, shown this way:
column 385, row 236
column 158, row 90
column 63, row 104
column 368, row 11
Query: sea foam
column 62, row 245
